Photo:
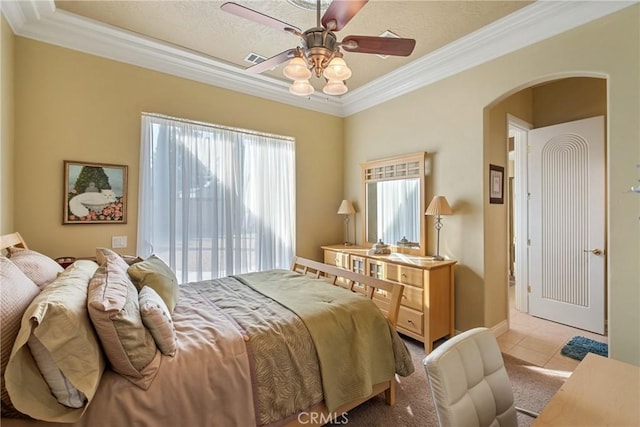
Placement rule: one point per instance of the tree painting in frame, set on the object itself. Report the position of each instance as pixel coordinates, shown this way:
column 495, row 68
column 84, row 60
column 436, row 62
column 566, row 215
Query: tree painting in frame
column 496, row 184
column 95, row 193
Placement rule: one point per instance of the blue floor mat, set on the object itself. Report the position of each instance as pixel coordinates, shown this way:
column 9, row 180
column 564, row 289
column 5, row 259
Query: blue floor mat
column 578, row 347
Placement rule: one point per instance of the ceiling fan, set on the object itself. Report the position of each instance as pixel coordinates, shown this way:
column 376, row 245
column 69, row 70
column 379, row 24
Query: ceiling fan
column 320, row 48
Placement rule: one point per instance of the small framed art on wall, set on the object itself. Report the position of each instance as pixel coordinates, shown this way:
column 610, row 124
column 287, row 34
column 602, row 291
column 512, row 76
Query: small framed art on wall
column 94, row 193
column 496, row 184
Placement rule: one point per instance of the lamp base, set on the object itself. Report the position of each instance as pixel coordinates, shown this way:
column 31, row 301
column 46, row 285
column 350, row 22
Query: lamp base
column 435, row 257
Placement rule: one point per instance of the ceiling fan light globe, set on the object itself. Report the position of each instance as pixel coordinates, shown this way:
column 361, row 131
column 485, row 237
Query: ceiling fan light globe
column 337, row 70
column 335, row 87
column 297, row 69
column 301, row 88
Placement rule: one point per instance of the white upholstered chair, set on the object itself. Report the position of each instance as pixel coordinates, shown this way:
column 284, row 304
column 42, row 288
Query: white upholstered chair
column 469, row 383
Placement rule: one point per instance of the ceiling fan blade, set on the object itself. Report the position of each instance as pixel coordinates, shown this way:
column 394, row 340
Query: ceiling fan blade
column 340, row 12
column 274, row 61
column 379, row 45
column 260, row 18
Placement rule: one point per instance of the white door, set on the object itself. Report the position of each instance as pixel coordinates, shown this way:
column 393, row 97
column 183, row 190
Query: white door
column 567, row 223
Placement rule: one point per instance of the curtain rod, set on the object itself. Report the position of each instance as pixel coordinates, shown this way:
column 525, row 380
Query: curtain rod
column 221, row 127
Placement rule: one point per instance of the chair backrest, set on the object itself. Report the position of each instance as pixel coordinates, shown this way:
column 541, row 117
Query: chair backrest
column 468, row 381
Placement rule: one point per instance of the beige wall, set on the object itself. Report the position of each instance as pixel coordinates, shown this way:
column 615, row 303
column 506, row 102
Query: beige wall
column 7, row 41
column 496, row 304
column 567, row 100
column 73, row 106
column 447, row 120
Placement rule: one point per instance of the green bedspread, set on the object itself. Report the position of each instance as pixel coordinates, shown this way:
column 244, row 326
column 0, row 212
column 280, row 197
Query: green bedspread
column 367, row 350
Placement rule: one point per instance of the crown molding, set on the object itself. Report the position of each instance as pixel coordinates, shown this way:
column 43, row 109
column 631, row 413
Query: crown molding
column 539, row 21
column 40, row 20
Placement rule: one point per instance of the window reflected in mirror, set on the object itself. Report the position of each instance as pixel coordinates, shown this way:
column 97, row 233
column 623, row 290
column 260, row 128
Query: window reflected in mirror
column 393, row 212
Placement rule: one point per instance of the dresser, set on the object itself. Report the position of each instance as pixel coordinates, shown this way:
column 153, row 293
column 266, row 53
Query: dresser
column 427, row 310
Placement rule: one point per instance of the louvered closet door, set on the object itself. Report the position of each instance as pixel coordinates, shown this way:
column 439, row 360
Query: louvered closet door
column 567, row 223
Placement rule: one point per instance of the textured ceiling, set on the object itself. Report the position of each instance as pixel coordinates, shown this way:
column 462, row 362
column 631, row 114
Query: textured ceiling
column 202, row 27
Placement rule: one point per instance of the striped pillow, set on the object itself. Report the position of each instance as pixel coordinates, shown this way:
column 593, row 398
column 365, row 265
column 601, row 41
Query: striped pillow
column 16, row 293
column 41, row 269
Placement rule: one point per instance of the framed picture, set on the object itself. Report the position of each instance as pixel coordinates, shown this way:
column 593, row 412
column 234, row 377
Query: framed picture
column 94, row 193
column 496, row 184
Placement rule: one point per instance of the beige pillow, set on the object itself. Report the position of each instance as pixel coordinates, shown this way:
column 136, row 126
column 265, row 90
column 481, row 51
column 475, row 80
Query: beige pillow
column 155, row 273
column 16, row 293
column 115, row 314
column 36, row 266
column 58, row 326
column 157, row 319
column 104, row 254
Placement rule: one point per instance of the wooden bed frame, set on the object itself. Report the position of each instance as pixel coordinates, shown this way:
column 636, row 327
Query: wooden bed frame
column 12, row 240
column 319, row 415
column 387, row 296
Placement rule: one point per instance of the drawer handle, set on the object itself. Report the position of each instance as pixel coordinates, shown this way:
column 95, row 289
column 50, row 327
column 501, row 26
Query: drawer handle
column 410, row 321
column 404, row 296
column 403, row 275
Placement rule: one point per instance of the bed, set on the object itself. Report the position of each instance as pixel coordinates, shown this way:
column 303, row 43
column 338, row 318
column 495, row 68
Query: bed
column 279, row 347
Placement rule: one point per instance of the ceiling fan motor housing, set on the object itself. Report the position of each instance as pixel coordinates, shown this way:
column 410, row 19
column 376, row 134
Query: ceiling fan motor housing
column 321, row 46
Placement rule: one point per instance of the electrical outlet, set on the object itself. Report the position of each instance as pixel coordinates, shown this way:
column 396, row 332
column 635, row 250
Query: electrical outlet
column 118, row 242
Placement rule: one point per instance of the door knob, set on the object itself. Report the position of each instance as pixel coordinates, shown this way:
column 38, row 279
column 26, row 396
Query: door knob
column 594, row 251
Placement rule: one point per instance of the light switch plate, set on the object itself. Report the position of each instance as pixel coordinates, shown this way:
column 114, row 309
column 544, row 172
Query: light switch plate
column 118, row 242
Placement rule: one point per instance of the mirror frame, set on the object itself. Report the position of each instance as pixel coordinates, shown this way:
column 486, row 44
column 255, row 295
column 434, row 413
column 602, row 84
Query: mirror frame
column 394, row 168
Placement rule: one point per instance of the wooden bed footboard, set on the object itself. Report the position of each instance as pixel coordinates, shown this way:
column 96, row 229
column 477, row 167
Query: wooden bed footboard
column 386, row 295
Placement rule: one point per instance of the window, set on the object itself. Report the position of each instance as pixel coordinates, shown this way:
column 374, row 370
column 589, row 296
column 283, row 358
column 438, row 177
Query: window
column 215, row 201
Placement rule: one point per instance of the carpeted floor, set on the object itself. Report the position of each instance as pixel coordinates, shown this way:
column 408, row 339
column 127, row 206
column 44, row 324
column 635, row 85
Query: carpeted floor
column 532, row 389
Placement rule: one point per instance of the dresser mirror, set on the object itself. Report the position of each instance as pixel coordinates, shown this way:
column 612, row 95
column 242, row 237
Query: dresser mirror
column 394, row 194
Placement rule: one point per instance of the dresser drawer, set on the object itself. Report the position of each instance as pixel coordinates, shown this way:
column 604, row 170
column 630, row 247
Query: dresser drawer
column 412, row 297
column 336, row 258
column 403, row 274
column 410, row 320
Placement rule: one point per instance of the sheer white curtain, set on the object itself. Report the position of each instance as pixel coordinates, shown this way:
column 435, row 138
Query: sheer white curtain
column 215, row 201
column 398, row 209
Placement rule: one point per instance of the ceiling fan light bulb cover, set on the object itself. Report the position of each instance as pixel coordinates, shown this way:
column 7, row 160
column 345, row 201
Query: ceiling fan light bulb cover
column 301, row 88
column 335, row 87
column 297, row 69
column 337, row 70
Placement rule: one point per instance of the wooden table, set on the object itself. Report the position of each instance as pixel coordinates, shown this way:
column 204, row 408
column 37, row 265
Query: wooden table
column 600, row 392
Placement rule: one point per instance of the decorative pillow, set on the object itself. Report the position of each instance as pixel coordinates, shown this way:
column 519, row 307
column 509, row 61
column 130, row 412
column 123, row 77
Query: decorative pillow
column 104, row 254
column 57, row 329
column 131, row 259
column 115, row 314
column 36, row 266
column 157, row 319
column 16, row 293
column 155, row 273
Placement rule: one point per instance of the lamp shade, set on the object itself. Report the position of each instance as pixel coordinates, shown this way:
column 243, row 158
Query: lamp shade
column 439, row 206
column 297, row 69
column 335, row 87
column 301, row 88
column 337, row 70
column 346, row 208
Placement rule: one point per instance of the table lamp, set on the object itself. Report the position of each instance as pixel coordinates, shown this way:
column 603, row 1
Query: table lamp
column 438, row 207
column 346, row 209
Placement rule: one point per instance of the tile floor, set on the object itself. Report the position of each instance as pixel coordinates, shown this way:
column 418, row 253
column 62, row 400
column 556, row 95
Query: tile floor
column 539, row 341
